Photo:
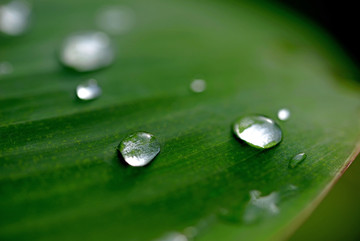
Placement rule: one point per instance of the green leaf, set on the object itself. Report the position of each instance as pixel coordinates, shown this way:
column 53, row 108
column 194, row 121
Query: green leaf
column 60, row 174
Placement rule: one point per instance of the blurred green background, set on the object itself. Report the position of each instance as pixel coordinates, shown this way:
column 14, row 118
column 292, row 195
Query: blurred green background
column 338, row 215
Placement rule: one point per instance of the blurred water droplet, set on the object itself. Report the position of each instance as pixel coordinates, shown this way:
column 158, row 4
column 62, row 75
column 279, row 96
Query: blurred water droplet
column 284, row 114
column 190, row 232
column 287, row 191
column 258, row 131
column 6, row 68
column 260, row 207
column 198, row 85
column 297, row 159
column 88, row 90
column 173, row 236
column 14, row 17
column 115, row 19
column 139, row 149
column 87, row 51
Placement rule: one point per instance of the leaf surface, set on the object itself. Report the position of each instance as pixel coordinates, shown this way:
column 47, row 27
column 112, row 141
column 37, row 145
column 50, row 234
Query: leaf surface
column 60, row 174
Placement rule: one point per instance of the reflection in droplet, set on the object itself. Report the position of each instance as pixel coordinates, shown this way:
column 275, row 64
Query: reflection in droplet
column 284, row 114
column 88, row 90
column 87, row 51
column 297, row 159
column 260, row 207
column 139, row 149
column 115, row 19
column 258, row 131
column 6, row 68
column 173, row 236
column 198, row 85
column 14, row 17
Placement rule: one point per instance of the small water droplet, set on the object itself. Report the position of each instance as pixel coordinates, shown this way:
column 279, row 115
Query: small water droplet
column 284, row 114
column 198, row 85
column 173, row 236
column 115, row 19
column 260, row 207
column 190, row 232
column 88, row 90
column 297, row 159
column 14, row 17
column 6, row 68
column 139, row 149
column 258, row 131
column 87, row 51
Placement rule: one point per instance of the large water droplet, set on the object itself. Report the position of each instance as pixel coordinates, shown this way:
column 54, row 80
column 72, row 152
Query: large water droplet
column 139, row 149
column 87, row 51
column 14, row 17
column 6, row 68
column 258, row 131
column 297, row 159
column 284, row 114
column 198, row 85
column 260, row 207
column 115, row 19
column 88, row 90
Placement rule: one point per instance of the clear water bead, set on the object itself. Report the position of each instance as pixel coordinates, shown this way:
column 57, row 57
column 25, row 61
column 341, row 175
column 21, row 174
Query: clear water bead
column 258, row 131
column 115, row 19
column 297, row 159
column 283, row 114
column 14, row 17
column 139, row 149
column 88, row 90
column 198, row 85
column 87, row 51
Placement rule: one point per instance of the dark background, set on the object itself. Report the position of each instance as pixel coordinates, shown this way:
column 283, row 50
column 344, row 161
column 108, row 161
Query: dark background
column 339, row 18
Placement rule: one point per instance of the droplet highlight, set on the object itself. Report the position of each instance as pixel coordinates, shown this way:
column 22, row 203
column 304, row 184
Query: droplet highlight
column 115, row 19
column 297, row 159
column 260, row 207
column 283, row 114
column 87, row 51
column 14, row 17
column 198, row 85
column 88, row 90
column 139, row 149
column 258, row 131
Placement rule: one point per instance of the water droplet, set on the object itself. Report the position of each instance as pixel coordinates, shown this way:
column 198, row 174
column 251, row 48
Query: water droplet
column 173, row 236
column 198, row 85
column 258, row 131
column 88, row 90
column 87, row 51
column 115, row 19
column 297, row 159
column 14, row 17
column 260, row 207
column 191, row 232
column 139, row 148
column 6, row 68
column 284, row 114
